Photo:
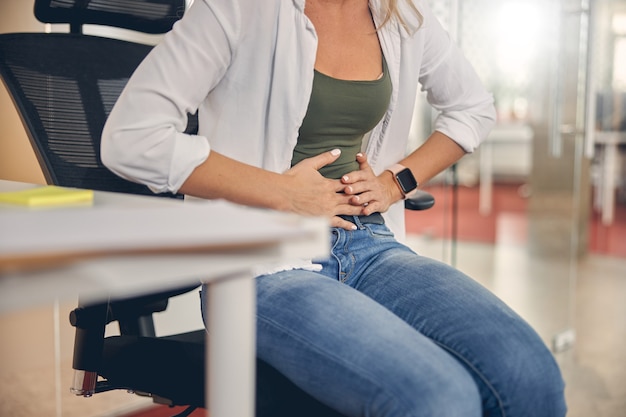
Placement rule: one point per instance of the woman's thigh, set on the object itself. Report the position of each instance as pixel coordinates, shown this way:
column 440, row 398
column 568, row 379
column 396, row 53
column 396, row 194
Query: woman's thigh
column 515, row 372
column 354, row 355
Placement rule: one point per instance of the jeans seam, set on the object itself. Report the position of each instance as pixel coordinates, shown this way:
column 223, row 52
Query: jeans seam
column 475, row 369
column 304, row 340
column 342, row 276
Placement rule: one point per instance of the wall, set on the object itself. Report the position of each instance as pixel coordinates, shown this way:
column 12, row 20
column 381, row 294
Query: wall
column 17, row 159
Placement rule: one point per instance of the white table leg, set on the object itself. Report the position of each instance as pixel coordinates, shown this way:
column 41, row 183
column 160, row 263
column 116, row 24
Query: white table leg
column 231, row 347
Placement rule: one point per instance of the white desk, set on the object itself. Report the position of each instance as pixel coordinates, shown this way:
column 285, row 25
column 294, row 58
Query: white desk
column 128, row 245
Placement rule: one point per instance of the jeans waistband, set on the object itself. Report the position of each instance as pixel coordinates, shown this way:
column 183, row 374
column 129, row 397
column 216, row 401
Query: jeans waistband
column 374, row 218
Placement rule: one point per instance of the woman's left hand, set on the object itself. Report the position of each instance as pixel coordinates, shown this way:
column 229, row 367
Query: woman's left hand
column 374, row 193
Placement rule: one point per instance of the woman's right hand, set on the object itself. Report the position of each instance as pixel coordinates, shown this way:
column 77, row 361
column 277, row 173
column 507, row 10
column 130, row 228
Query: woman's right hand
column 312, row 194
column 301, row 189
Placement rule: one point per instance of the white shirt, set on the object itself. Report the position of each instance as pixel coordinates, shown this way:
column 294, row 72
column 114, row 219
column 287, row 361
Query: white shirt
column 247, row 66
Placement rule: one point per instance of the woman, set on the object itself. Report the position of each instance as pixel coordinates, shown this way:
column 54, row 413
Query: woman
column 286, row 91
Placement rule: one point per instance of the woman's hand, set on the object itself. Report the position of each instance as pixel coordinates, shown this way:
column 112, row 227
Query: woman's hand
column 370, row 192
column 312, row 194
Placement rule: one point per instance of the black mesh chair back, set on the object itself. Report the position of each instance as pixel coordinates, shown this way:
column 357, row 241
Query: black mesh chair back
column 147, row 16
column 64, row 85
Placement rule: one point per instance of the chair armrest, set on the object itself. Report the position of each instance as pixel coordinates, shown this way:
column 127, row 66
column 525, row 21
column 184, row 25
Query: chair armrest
column 134, row 316
column 420, row 201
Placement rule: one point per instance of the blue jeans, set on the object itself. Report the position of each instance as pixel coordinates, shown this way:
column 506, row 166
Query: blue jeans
column 382, row 331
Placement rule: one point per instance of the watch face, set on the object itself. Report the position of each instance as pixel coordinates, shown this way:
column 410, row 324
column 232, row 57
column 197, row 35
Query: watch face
column 406, row 180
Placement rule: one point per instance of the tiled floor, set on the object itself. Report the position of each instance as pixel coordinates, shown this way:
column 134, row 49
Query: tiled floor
column 592, row 303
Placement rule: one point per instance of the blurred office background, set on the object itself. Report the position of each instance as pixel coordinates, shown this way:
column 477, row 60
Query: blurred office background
column 537, row 214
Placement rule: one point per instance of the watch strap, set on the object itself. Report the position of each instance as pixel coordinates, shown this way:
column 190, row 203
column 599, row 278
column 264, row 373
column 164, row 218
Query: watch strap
column 395, row 169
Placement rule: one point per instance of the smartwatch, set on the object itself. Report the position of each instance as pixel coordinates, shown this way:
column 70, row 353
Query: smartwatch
column 405, row 179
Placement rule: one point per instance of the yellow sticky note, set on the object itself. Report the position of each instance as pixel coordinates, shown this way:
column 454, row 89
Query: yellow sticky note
column 47, row 196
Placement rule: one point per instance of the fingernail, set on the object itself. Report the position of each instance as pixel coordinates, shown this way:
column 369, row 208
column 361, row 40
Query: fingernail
column 335, row 152
column 345, row 178
column 353, row 227
column 359, row 154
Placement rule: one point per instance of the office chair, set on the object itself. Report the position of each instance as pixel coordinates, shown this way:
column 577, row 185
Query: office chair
column 64, row 85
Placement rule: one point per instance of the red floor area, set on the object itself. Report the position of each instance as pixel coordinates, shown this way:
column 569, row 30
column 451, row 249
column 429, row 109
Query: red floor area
column 507, row 222
column 165, row 411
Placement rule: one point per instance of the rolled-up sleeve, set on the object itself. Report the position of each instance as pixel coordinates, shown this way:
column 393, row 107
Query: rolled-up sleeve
column 466, row 109
column 143, row 139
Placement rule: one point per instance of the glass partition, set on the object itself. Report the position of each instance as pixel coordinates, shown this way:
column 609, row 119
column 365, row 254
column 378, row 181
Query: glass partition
column 515, row 214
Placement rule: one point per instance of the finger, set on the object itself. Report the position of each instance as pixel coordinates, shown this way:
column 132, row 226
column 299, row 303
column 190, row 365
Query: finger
column 368, row 203
column 361, row 158
column 357, row 201
column 337, row 186
column 324, row 159
column 359, row 187
column 373, row 207
column 365, row 171
column 348, row 209
column 341, row 202
column 337, row 221
column 363, row 199
column 356, row 188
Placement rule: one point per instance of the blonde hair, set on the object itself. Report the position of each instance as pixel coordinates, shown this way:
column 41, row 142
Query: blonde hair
column 391, row 11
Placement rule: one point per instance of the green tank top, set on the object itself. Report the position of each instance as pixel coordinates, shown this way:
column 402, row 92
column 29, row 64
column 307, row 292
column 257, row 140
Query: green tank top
column 340, row 112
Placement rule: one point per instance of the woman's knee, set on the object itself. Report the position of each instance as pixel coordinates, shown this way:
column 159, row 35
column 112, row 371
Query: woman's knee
column 541, row 386
column 450, row 393
column 531, row 383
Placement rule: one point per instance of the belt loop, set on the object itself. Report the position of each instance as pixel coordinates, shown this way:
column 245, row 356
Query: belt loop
column 357, row 222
